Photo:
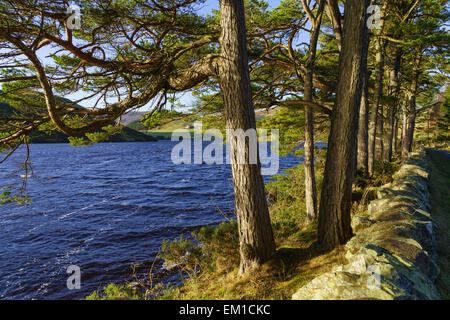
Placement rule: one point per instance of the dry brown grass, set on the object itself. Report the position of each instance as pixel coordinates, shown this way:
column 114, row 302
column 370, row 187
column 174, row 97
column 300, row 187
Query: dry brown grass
column 295, row 263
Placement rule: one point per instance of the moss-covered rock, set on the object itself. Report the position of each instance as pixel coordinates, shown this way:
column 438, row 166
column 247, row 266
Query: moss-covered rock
column 392, row 255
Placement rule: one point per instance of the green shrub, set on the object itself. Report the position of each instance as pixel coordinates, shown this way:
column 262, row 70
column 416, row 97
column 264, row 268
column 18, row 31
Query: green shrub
column 286, row 195
column 116, row 292
column 209, row 246
column 183, row 254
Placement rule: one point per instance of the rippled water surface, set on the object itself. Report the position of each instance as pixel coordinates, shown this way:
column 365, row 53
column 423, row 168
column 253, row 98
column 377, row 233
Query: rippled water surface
column 102, row 208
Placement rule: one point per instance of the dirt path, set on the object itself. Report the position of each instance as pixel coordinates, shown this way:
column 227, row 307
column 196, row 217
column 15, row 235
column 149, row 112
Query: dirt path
column 440, row 203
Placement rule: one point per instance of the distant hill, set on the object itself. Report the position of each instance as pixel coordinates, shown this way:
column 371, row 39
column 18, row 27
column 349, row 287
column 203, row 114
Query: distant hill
column 6, row 110
column 127, row 134
column 164, row 132
column 137, row 125
column 131, row 117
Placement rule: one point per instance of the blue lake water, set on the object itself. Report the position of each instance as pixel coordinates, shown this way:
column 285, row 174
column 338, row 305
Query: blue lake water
column 103, row 208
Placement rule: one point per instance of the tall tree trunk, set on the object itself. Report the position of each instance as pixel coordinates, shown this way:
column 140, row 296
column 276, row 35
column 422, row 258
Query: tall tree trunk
column 363, row 126
column 404, row 116
column 395, row 138
column 409, row 122
column 409, row 110
column 335, row 202
column 393, row 91
column 389, row 133
column 333, row 13
column 310, row 179
column 255, row 231
column 379, row 146
column 376, row 100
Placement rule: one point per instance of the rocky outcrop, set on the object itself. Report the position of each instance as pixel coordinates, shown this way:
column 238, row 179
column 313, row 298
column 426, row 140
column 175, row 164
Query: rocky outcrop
column 392, row 255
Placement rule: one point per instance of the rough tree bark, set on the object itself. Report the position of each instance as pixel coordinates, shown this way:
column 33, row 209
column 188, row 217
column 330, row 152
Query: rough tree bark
column 362, row 161
column 363, row 129
column 333, row 13
column 335, row 203
column 255, row 231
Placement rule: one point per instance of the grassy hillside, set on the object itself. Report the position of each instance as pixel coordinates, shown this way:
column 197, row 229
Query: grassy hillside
column 164, row 132
column 137, row 125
